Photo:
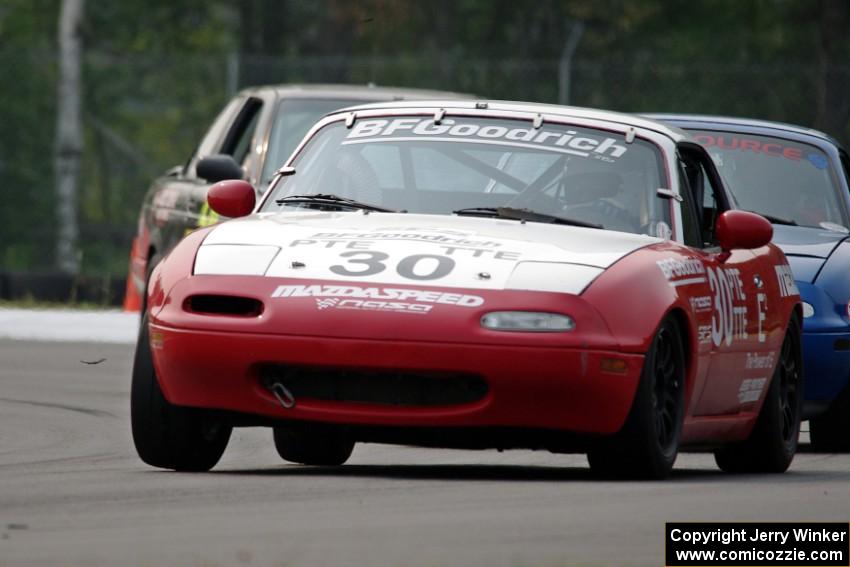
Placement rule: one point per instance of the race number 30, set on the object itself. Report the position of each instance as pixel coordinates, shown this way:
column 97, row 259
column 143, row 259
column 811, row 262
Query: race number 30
column 728, row 320
column 419, row 267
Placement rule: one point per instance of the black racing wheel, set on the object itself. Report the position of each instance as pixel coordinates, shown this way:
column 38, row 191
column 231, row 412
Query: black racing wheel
column 165, row 435
column 313, row 443
column 771, row 446
column 648, row 443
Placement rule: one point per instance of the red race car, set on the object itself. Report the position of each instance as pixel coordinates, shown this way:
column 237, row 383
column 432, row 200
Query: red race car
column 477, row 275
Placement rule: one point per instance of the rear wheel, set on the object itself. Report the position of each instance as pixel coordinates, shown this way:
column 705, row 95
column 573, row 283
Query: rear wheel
column 165, row 435
column 647, row 445
column 771, row 446
column 313, row 443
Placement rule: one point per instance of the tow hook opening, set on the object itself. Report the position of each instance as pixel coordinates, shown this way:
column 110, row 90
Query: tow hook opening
column 280, row 392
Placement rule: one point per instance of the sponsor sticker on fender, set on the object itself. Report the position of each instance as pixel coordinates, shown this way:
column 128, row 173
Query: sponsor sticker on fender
column 728, row 300
column 415, row 301
column 759, row 361
column 729, row 319
column 702, row 303
column 682, row 272
column 704, row 334
column 750, row 390
column 787, row 285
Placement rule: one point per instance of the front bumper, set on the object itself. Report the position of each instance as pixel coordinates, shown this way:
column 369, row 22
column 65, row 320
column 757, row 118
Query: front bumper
column 826, row 358
column 556, row 388
column 535, row 380
column 826, row 346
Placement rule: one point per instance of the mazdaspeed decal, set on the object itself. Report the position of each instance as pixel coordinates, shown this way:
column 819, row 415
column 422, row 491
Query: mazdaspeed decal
column 411, row 301
column 379, row 292
column 569, row 142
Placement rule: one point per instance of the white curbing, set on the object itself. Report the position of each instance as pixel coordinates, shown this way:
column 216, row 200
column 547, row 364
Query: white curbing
column 67, row 325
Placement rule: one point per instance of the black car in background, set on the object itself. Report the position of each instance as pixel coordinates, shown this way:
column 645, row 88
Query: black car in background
column 251, row 137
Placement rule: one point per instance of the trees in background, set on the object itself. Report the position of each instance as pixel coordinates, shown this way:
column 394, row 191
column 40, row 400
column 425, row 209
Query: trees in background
column 833, row 51
column 154, row 73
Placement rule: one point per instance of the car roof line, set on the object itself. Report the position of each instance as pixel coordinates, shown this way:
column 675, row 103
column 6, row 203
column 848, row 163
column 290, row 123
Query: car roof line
column 745, row 122
column 622, row 119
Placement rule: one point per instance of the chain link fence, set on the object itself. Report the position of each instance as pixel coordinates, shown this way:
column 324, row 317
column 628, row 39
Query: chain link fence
column 145, row 114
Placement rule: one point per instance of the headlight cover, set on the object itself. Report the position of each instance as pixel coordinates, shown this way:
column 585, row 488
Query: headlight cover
column 234, row 259
column 558, row 277
column 527, row 321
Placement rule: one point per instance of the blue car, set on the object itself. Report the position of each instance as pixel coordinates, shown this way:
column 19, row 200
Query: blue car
column 799, row 179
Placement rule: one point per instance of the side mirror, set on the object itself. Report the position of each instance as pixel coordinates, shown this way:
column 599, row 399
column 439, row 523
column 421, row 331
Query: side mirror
column 742, row 230
column 219, row 167
column 232, row 198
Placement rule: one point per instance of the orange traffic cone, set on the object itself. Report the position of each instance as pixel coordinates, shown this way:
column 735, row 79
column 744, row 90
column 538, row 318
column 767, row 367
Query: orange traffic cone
column 132, row 298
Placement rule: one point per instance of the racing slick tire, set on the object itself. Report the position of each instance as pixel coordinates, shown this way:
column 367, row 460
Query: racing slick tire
column 830, row 431
column 313, row 444
column 648, row 443
column 165, row 435
column 771, row 446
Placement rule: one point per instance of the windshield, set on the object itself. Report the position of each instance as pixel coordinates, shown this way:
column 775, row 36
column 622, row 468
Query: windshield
column 778, row 177
column 420, row 166
column 293, row 119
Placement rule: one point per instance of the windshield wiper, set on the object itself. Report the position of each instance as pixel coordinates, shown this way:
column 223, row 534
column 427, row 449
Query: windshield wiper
column 326, row 199
column 522, row 215
column 776, row 220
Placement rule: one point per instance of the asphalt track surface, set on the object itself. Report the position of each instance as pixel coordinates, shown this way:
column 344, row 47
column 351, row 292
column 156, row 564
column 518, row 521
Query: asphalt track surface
column 72, row 491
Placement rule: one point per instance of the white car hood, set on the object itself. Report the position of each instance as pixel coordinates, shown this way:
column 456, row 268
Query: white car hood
column 421, row 250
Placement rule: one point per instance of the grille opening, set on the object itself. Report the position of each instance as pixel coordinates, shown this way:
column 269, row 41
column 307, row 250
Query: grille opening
column 384, row 387
column 224, row 305
column 842, row 344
